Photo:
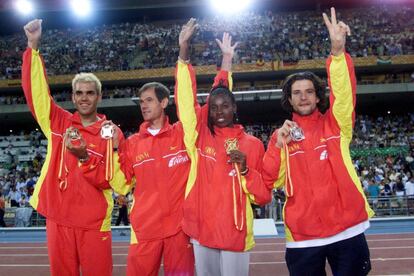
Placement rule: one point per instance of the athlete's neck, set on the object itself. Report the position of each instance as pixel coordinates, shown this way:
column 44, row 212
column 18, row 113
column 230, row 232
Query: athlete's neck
column 157, row 123
column 88, row 120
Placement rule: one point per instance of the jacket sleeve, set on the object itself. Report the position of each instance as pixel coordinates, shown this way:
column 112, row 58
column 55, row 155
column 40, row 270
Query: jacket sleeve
column 188, row 109
column 342, row 84
column 224, row 78
column 123, row 179
column 252, row 182
column 273, row 165
column 37, row 93
column 189, row 114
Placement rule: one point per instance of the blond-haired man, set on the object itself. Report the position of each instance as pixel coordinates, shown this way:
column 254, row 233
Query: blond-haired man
column 76, row 204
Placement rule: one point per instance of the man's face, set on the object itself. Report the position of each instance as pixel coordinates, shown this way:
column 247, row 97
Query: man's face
column 222, row 111
column 86, row 98
column 151, row 108
column 303, row 98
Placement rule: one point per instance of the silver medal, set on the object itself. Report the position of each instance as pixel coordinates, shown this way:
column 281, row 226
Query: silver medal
column 296, row 133
column 107, row 131
column 73, row 133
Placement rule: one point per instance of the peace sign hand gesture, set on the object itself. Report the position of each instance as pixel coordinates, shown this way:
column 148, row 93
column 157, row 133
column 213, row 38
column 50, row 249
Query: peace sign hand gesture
column 337, row 33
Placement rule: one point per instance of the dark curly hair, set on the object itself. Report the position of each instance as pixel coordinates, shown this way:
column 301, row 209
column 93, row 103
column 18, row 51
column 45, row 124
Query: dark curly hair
column 319, row 85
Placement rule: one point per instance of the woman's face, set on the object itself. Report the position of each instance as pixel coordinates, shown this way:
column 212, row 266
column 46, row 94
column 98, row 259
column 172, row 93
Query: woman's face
column 222, row 110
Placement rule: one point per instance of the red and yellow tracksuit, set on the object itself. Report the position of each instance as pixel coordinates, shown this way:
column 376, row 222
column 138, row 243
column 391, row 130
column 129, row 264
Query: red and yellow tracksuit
column 78, row 207
column 324, row 194
column 160, row 166
column 217, row 210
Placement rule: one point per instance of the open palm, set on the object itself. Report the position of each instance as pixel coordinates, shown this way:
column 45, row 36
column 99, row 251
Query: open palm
column 187, row 31
column 225, row 45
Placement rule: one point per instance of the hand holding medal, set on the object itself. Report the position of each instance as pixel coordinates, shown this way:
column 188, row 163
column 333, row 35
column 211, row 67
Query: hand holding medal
column 75, row 144
column 238, row 159
column 289, row 131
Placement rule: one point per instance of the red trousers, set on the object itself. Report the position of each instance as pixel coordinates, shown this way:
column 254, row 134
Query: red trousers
column 70, row 248
column 144, row 258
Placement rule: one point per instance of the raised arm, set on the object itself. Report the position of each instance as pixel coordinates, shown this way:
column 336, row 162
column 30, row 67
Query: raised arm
column 34, row 81
column 224, row 76
column 188, row 109
column 341, row 77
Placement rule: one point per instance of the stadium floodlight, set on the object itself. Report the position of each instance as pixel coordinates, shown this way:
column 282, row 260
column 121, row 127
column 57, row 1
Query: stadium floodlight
column 24, row 7
column 230, row 6
column 81, row 8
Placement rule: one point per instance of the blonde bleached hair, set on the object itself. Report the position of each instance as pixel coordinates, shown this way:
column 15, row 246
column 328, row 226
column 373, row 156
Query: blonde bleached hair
column 87, row 77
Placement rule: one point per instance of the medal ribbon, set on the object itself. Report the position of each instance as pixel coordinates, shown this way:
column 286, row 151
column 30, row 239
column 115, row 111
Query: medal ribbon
column 63, row 169
column 109, row 164
column 229, row 145
column 288, row 179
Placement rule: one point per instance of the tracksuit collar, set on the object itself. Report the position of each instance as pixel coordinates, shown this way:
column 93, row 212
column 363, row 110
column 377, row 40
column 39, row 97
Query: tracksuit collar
column 143, row 128
column 94, row 129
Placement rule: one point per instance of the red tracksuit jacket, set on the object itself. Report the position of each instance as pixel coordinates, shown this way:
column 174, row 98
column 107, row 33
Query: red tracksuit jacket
column 67, row 191
column 325, row 196
column 212, row 209
column 160, row 165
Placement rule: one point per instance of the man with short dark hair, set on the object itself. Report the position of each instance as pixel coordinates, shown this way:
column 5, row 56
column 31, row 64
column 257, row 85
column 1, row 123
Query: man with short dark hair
column 156, row 160
column 326, row 212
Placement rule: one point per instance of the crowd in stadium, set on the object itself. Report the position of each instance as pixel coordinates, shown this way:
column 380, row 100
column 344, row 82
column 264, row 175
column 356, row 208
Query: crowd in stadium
column 286, row 37
column 383, row 173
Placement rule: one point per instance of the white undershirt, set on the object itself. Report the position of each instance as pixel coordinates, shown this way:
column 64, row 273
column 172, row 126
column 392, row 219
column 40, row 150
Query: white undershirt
column 153, row 131
column 346, row 234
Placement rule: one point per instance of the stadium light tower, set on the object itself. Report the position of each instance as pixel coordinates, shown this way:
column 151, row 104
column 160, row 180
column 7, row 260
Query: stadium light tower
column 81, row 8
column 230, row 6
column 24, row 7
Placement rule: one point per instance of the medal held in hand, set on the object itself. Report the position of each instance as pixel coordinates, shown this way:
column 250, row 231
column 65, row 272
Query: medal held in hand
column 230, row 145
column 296, row 133
column 74, row 136
column 107, row 131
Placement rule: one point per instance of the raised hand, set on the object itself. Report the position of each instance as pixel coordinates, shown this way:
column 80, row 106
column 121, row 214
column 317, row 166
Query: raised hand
column 33, row 31
column 337, row 33
column 283, row 133
column 187, row 32
column 225, row 45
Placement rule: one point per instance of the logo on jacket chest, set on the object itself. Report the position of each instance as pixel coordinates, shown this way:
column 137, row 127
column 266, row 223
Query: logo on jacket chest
column 232, row 173
column 176, row 160
column 210, row 151
column 294, row 147
column 141, row 156
column 324, row 155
